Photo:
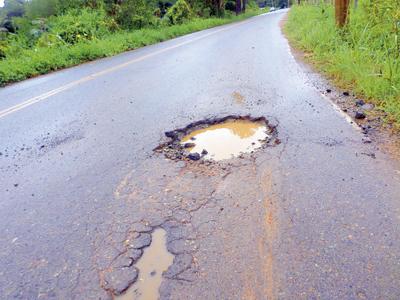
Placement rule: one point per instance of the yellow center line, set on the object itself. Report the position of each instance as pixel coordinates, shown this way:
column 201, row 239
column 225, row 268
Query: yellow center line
column 93, row 76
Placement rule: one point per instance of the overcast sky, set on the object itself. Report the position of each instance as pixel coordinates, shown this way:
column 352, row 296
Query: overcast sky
column 1, row 3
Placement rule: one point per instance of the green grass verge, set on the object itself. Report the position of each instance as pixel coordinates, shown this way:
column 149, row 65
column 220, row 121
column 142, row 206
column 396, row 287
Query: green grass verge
column 361, row 57
column 38, row 61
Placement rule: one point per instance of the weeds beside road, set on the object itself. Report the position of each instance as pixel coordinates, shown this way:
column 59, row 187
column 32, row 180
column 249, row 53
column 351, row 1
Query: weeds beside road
column 364, row 56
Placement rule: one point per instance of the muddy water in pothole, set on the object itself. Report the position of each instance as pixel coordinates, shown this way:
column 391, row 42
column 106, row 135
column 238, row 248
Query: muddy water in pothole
column 228, row 139
column 155, row 260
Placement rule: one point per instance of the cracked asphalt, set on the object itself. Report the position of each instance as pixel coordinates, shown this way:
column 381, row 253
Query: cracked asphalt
column 314, row 217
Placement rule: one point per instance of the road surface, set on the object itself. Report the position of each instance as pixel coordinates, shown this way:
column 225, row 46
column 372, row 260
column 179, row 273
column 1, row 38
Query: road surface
column 315, row 217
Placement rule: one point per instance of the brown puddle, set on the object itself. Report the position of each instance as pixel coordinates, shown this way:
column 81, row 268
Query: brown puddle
column 155, row 260
column 228, row 139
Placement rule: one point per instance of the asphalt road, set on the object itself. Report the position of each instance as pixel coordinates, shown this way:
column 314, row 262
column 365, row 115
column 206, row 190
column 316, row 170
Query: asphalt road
column 315, row 217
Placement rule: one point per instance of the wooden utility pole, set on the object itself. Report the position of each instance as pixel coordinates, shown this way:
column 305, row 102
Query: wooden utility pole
column 341, row 12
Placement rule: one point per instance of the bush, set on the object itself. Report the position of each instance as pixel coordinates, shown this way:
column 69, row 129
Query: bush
column 201, row 9
column 3, row 49
column 206, row 12
column 3, row 42
column 179, row 13
column 80, row 25
column 162, row 7
column 49, row 40
column 230, row 5
column 133, row 14
column 252, row 4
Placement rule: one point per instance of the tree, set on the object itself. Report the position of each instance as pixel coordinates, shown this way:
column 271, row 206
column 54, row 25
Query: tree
column 341, row 12
column 208, row 7
column 132, row 14
column 14, row 8
column 238, row 7
column 216, row 6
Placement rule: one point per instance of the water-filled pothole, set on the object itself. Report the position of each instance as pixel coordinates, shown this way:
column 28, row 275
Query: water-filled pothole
column 227, row 139
column 155, row 260
column 219, row 139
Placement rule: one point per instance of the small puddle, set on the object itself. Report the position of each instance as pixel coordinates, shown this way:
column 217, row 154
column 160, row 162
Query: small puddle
column 155, row 260
column 227, row 139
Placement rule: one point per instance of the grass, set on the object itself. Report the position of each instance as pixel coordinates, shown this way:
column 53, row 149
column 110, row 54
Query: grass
column 33, row 62
column 364, row 56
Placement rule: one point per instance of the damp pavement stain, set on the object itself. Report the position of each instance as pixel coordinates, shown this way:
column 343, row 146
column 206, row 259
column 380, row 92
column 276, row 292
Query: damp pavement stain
column 228, row 139
column 155, row 260
column 238, row 97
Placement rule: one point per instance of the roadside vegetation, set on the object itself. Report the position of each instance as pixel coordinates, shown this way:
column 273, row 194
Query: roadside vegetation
column 39, row 36
column 363, row 55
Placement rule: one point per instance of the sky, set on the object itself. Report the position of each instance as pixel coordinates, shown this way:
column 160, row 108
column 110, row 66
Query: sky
column 1, row 3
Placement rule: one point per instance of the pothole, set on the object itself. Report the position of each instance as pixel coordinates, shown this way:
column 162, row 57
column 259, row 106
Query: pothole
column 155, row 260
column 219, row 139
